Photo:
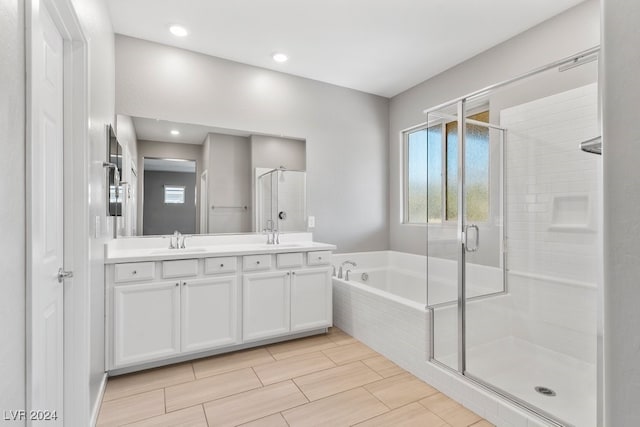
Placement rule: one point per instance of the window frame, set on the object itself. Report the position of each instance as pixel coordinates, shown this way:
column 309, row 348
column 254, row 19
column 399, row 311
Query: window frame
column 404, row 135
column 184, row 195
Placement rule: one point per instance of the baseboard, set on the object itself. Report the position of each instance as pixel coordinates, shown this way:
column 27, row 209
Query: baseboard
column 96, row 405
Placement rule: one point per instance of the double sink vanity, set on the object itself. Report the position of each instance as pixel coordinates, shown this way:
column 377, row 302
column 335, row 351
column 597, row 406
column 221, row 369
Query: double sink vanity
column 218, row 294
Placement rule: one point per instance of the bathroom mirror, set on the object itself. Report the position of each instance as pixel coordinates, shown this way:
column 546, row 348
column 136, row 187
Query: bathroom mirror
column 200, row 179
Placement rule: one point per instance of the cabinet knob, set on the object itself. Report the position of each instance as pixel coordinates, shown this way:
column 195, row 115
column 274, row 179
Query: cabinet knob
column 319, row 257
column 288, row 273
column 294, row 273
column 221, row 265
column 257, row 262
column 134, row 272
column 177, row 284
column 184, row 283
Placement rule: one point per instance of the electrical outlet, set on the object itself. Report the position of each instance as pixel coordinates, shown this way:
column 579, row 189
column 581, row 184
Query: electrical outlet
column 311, row 222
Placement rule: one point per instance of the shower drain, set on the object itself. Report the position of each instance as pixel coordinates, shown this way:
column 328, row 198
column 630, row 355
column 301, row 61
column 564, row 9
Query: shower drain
column 545, row 391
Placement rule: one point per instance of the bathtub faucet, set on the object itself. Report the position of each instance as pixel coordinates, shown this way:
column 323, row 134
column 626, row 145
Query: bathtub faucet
column 351, row 263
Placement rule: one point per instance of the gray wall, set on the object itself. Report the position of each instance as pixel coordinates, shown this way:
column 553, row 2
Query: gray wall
column 573, row 31
column 273, row 152
column 12, row 208
column 94, row 18
column 165, row 150
column 346, row 131
column 621, row 146
column 161, row 218
column 229, row 180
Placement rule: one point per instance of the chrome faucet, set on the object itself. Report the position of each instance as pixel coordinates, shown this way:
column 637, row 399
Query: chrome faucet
column 176, row 235
column 273, row 236
column 351, row 263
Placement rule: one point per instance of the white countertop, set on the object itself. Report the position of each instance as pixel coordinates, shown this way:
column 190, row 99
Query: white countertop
column 156, row 248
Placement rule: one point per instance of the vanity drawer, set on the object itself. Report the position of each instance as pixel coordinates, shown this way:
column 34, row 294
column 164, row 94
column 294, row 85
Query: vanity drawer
column 179, row 268
column 319, row 257
column 256, row 262
column 134, row 271
column 220, row 265
column 289, row 260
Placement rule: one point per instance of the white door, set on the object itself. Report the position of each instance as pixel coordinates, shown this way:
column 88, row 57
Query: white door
column 311, row 305
column 146, row 322
column 46, row 213
column 209, row 313
column 265, row 308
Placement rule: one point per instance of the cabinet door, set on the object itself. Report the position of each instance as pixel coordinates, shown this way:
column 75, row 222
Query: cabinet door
column 266, row 302
column 311, row 305
column 146, row 322
column 209, row 313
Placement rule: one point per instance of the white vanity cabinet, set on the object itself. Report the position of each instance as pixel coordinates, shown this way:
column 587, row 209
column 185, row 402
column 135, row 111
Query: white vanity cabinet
column 146, row 322
column 265, row 305
column 162, row 311
column 286, row 300
column 208, row 313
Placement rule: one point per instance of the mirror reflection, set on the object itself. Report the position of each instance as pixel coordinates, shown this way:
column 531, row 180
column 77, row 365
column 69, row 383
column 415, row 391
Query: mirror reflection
column 201, row 179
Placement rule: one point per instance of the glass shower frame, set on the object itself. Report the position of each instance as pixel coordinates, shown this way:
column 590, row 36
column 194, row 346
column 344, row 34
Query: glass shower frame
column 458, row 110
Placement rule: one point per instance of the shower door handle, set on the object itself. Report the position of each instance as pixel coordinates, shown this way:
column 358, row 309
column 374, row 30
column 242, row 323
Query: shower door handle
column 476, row 245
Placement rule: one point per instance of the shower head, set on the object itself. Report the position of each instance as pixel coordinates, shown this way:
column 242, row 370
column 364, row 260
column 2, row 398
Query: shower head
column 593, row 145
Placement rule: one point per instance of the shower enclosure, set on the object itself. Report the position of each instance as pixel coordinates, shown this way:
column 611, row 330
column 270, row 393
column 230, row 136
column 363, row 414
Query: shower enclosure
column 281, row 198
column 515, row 206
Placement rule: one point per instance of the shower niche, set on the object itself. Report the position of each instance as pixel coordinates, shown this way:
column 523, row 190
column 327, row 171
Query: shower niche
column 280, row 199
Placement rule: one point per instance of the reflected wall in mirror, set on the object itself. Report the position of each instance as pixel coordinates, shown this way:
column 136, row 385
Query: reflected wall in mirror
column 220, row 187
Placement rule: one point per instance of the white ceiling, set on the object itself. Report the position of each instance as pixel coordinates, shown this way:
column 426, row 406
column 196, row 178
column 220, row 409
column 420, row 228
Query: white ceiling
column 160, row 130
column 378, row 46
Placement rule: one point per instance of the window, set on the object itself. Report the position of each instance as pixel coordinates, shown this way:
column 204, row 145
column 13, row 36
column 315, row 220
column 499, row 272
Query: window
column 173, row 194
column 431, row 172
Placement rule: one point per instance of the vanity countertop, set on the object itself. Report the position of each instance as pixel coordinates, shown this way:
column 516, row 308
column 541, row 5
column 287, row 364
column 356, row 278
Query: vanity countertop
column 131, row 250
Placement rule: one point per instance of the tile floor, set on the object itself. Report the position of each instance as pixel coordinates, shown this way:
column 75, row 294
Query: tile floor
column 325, row 380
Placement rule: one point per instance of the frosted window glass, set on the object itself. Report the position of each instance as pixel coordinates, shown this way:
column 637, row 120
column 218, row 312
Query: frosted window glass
column 173, row 194
column 424, row 175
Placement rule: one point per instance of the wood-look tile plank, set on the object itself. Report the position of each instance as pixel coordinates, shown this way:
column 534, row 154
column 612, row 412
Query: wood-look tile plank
column 210, row 388
column 383, row 366
column 483, row 423
column 292, row 367
column 300, row 346
column 275, row 420
column 152, row 379
column 411, row 415
column 449, row 410
column 340, row 337
column 189, row 417
column 343, row 409
column 401, row 389
column 335, row 380
column 131, row 408
column 254, row 404
column 349, row 353
column 231, row 362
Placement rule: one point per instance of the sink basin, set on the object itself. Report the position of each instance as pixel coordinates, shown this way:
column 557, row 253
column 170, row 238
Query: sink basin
column 177, row 251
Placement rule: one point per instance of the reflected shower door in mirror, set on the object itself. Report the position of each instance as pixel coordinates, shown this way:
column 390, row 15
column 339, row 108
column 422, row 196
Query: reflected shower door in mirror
column 280, row 199
column 114, row 166
column 220, row 192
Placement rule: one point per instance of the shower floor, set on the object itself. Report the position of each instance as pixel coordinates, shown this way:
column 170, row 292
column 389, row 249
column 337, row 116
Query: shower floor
column 517, row 366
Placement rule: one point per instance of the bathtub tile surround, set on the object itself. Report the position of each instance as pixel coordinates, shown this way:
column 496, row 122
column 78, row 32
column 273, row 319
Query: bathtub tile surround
column 254, row 387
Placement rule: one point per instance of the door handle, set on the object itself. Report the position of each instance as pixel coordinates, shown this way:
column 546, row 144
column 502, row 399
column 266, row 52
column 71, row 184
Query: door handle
column 466, row 238
column 64, row 275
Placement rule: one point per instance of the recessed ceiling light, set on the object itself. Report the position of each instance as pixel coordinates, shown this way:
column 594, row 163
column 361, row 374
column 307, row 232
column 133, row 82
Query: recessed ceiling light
column 175, row 132
column 280, row 57
column 178, row 31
